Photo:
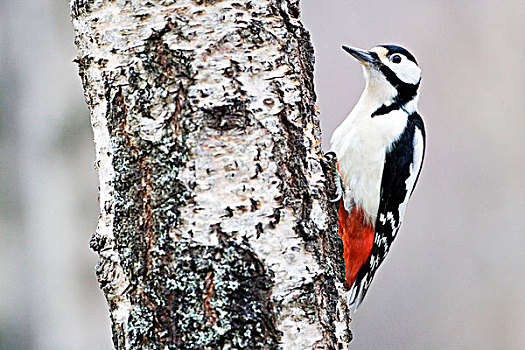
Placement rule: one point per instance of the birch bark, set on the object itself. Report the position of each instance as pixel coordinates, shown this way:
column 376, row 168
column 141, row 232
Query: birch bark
column 214, row 230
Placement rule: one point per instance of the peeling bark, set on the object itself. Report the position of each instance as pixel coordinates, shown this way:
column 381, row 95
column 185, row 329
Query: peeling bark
column 214, row 229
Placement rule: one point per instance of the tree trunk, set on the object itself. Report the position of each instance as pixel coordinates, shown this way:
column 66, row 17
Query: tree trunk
column 214, row 231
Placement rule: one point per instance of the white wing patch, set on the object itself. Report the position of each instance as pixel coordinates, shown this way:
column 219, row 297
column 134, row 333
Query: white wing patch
column 390, row 218
column 415, row 167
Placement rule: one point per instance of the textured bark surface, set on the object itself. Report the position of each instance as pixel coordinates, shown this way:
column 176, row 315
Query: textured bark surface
column 214, row 231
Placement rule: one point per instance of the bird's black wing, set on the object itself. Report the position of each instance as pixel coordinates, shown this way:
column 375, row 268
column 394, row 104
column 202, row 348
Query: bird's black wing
column 400, row 174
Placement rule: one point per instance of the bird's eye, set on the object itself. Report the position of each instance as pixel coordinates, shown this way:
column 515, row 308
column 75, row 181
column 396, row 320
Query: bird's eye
column 396, row 58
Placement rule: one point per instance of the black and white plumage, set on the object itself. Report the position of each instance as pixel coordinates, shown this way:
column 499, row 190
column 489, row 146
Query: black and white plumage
column 380, row 148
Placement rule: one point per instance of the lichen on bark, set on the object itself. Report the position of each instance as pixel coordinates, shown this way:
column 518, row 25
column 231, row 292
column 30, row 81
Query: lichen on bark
column 214, row 229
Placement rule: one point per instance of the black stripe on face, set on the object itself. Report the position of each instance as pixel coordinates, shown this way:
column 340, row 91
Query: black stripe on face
column 405, row 91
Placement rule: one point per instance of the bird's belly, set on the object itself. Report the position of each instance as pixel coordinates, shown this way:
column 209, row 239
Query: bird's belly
column 361, row 172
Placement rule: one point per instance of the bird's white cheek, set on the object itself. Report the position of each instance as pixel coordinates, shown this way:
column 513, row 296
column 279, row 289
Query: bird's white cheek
column 409, row 74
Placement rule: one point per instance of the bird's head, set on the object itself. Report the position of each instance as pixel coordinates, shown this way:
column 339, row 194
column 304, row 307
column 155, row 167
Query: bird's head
column 389, row 69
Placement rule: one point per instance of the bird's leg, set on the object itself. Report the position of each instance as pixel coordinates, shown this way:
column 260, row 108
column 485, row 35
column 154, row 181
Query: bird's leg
column 330, row 160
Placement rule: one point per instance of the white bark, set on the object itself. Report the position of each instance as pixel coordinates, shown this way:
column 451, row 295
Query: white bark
column 214, row 228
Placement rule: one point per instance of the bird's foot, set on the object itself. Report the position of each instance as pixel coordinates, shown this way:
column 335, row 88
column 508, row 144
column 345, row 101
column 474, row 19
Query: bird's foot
column 330, row 157
column 330, row 162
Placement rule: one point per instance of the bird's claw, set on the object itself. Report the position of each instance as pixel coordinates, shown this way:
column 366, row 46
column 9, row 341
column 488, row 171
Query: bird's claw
column 331, row 159
column 330, row 156
column 338, row 188
column 336, row 199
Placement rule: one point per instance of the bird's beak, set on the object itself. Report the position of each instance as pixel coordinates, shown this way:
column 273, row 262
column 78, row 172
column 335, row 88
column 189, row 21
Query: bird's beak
column 364, row 57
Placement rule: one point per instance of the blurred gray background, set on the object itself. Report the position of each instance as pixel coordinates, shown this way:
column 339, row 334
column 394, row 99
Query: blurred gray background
column 455, row 278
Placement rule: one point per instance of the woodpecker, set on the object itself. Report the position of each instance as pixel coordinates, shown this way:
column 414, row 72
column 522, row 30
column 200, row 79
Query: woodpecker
column 380, row 148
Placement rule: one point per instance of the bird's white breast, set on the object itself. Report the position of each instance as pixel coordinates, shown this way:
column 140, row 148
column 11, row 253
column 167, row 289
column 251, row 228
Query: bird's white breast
column 361, row 143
